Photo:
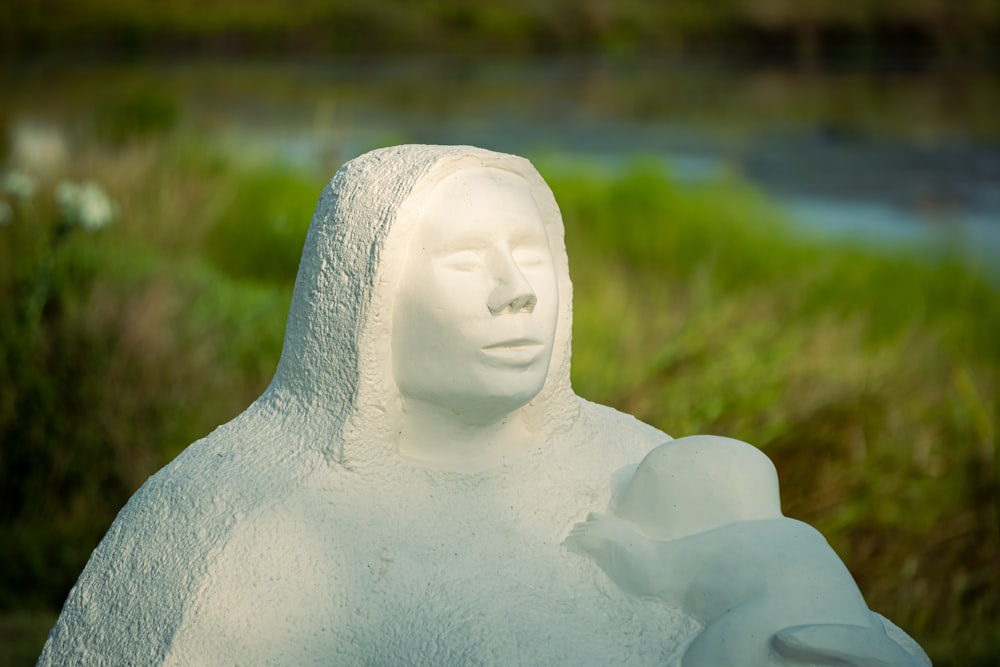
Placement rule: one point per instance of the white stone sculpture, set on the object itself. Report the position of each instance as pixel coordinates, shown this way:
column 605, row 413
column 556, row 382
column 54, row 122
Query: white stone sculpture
column 401, row 492
column 699, row 525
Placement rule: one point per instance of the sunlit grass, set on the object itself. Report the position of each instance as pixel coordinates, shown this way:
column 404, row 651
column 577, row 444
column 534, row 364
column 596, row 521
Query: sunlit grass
column 871, row 380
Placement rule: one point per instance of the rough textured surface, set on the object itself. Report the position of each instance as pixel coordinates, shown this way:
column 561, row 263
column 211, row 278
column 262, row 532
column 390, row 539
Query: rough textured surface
column 295, row 534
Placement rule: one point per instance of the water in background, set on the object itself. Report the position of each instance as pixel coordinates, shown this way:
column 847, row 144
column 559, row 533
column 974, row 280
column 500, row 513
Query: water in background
column 892, row 156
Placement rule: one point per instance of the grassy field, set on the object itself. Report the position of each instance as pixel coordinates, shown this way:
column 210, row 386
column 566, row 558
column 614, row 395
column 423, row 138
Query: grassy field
column 870, row 379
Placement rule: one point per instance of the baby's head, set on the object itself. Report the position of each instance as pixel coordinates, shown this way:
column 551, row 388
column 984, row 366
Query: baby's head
column 697, row 483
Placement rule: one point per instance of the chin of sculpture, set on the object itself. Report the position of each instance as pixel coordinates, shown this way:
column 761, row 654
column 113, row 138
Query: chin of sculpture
column 401, row 492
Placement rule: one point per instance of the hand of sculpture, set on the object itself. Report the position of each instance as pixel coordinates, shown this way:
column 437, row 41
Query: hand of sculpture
column 627, row 556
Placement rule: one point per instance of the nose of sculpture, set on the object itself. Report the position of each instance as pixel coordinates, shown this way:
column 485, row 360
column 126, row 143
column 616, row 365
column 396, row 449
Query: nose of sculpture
column 511, row 292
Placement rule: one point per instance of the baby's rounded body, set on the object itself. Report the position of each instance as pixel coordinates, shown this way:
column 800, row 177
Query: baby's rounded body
column 699, row 526
column 783, row 567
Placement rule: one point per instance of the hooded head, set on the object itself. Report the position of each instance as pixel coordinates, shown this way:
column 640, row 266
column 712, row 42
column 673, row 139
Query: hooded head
column 340, row 365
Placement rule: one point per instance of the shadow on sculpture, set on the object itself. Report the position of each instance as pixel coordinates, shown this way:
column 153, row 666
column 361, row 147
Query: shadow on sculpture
column 401, row 491
column 698, row 525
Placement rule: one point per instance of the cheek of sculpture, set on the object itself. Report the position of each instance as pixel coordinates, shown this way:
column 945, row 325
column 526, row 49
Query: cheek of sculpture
column 475, row 315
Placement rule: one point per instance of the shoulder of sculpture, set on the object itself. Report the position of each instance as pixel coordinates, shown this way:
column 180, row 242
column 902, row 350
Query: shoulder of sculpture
column 191, row 476
column 619, row 423
column 140, row 577
column 604, row 438
column 792, row 546
column 195, row 498
column 801, row 527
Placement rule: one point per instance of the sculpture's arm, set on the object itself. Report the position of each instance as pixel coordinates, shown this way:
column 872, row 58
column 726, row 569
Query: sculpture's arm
column 637, row 564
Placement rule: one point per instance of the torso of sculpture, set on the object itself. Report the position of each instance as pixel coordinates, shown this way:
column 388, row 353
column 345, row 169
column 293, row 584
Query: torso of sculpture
column 401, row 492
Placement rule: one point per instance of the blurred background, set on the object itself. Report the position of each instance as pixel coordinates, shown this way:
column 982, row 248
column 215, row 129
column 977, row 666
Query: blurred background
column 783, row 221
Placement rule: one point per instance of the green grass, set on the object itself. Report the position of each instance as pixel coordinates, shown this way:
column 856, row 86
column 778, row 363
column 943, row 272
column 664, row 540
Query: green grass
column 22, row 634
column 870, row 379
column 120, row 347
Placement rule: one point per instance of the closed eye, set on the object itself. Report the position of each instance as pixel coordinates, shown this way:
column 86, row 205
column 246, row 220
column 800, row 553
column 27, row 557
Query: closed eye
column 465, row 260
column 529, row 257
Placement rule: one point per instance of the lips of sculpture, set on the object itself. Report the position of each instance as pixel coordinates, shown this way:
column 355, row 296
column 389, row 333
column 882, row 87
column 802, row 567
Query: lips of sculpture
column 514, row 352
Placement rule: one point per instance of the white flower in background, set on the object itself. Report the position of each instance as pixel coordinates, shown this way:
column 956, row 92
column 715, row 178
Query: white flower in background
column 19, row 184
column 38, row 148
column 85, row 204
column 6, row 213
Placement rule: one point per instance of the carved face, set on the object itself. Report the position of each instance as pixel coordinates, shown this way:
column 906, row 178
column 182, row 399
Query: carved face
column 475, row 315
